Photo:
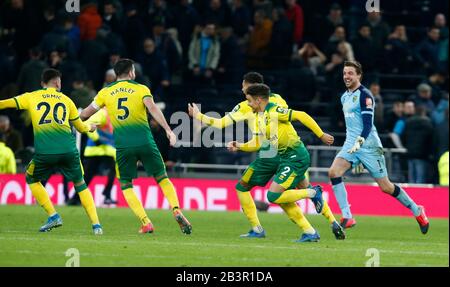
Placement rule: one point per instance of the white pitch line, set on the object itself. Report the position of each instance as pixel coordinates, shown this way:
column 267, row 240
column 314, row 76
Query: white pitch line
column 340, row 250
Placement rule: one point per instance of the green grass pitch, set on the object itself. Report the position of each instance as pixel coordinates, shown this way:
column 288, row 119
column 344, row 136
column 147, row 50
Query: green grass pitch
column 214, row 241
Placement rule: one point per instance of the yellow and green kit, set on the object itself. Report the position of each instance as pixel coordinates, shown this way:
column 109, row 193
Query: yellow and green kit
column 132, row 135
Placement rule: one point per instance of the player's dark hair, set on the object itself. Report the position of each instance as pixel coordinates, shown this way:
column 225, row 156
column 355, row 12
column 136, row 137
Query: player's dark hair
column 258, row 90
column 50, row 74
column 356, row 65
column 254, row 78
column 123, row 67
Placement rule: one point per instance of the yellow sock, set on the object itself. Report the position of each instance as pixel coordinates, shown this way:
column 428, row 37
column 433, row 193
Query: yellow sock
column 89, row 205
column 169, row 192
column 41, row 195
column 295, row 214
column 294, row 195
column 249, row 207
column 135, row 204
column 326, row 211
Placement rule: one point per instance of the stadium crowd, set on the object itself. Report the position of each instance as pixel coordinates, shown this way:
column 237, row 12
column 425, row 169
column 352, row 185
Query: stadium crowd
column 198, row 50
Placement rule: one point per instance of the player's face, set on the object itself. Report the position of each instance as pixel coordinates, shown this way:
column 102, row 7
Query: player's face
column 351, row 78
column 253, row 103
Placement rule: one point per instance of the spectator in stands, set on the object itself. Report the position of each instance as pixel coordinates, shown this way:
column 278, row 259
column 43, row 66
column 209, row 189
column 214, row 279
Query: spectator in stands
column 427, row 52
column 393, row 115
column 375, row 89
column 154, row 66
column 11, row 137
column 327, row 27
column 440, row 146
column 417, row 139
column 134, row 30
column 366, row 50
column 185, row 18
column 338, row 36
column 30, row 73
column 63, row 36
column 71, row 68
column 265, row 5
column 166, row 46
column 379, row 29
column 81, row 94
column 7, row 158
column 294, row 14
column 217, row 12
column 231, row 63
column 409, row 110
column 438, row 84
column 259, row 40
column 397, row 51
column 423, row 98
column 204, row 53
column 240, row 18
column 110, row 17
column 443, row 56
column 110, row 76
column 441, row 22
column 438, row 115
column 89, row 22
column 312, row 57
column 159, row 13
column 281, row 41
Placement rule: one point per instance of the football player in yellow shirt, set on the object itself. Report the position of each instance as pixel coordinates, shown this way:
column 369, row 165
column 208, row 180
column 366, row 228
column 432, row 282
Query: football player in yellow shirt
column 127, row 103
column 274, row 136
column 52, row 114
column 263, row 168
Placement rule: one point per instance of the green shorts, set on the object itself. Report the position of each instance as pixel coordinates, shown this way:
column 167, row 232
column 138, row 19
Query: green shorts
column 148, row 154
column 261, row 171
column 294, row 163
column 42, row 166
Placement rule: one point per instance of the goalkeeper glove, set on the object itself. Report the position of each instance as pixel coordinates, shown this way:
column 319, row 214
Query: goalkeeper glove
column 359, row 142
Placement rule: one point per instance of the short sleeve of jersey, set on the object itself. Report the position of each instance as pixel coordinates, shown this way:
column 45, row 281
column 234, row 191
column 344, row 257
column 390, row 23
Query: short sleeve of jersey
column 22, row 101
column 99, row 100
column 73, row 111
column 145, row 92
column 283, row 114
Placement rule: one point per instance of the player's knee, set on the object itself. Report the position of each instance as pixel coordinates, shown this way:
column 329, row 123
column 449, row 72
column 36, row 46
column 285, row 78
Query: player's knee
column 273, row 196
column 29, row 179
column 161, row 178
column 242, row 186
column 333, row 173
column 125, row 184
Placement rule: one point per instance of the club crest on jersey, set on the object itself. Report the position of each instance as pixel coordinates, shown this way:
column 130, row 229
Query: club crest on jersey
column 369, row 103
column 354, row 99
column 282, row 110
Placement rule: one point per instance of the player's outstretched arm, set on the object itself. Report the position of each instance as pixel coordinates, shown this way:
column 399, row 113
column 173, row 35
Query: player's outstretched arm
column 311, row 124
column 210, row 121
column 159, row 117
column 8, row 104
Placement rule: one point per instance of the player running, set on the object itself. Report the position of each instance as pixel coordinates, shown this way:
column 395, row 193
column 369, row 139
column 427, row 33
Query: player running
column 262, row 169
column 363, row 146
column 52, row 113
column 127, row 103
column 274, row 135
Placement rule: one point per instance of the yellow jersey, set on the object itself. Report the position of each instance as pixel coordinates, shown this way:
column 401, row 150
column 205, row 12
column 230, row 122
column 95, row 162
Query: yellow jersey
column 7, row 160
column 124, row 102
column 104, row 133
column 274, row 124
column 51, row 113
column 241, row 112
